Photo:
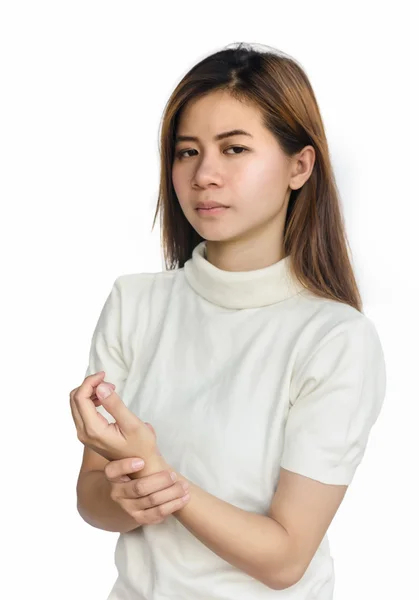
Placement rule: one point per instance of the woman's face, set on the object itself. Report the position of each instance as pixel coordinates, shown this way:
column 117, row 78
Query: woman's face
column 252, row 182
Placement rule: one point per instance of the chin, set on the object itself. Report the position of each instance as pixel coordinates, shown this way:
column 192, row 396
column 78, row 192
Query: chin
column 222, row 239
column 215, row 237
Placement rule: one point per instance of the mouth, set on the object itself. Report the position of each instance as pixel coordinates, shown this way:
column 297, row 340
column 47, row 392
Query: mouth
column 211, row 211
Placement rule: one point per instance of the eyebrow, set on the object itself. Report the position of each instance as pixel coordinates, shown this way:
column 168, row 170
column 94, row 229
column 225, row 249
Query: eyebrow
column 220, row 136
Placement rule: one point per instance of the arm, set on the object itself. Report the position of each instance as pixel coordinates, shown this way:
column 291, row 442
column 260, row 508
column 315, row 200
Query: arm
column 96, row 506
column 94, row 502
column 275, row 549
column 255, row 543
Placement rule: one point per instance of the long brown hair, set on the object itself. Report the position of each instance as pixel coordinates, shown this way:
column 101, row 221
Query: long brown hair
column 314, row 231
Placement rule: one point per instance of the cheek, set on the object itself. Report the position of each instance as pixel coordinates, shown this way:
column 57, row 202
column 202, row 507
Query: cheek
column 257, row 176
column 268, row 170
column 181, row 181
column 175, row 178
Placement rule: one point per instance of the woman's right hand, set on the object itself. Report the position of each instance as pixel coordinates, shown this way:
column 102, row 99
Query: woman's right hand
column 148, row 500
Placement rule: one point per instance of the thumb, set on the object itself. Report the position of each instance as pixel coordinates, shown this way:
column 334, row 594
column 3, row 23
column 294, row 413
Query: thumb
column 103, row 390
column 115, row 406
column 150, row 426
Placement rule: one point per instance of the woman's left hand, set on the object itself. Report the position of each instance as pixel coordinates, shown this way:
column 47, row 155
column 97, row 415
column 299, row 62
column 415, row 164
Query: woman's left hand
column 128, row 437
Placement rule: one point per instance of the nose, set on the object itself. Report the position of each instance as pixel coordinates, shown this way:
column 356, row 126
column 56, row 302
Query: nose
column 207, row 173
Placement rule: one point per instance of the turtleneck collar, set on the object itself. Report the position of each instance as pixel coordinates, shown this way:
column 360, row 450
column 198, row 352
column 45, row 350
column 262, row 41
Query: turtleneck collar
column 240, row 289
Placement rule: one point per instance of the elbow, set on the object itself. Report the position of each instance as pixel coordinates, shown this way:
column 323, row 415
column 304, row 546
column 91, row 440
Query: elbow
column 284, row 579
column 281, row 583
column 286, row 567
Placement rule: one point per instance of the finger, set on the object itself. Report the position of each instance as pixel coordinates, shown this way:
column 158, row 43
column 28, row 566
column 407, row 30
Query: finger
column 90, row 383
column 146, row 485
column 94, row 395
column 95, row 398
column 84, row 404
column 115, row 469
column 122, row 479
column 175, row 491
column 118, row 409
column 151, row 516
column 78, row 421
column 77, row 417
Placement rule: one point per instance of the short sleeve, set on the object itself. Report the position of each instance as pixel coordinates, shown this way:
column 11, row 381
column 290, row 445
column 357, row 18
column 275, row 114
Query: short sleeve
column 106, row 345
column 336, row 397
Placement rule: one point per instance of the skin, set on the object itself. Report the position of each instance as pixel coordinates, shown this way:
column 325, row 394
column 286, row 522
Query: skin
column 157, row 494
column 149, row 500
column 128, row 437
column 255, row 183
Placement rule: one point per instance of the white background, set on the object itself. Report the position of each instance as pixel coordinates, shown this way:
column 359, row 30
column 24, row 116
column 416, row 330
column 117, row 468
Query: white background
column 83, row 88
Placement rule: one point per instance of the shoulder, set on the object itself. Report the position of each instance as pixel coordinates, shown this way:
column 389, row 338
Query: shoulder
column 139, row 297
column 135, row 285
column 137, row 301
column 319, row 316
column 325, row 326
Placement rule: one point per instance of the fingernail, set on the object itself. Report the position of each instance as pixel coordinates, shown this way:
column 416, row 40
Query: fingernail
column 185, row 485
column 136, row 464
column 103, row 391
column 173, row 475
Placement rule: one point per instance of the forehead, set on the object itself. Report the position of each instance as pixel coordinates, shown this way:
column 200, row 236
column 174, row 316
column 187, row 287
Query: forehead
column 216, row 112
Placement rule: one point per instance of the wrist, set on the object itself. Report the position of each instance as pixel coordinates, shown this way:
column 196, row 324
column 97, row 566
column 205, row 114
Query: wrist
column 153, row 464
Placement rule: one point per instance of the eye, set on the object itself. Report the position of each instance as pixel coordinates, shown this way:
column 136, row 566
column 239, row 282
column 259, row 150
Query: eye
column 181, row 153
column 237, row 148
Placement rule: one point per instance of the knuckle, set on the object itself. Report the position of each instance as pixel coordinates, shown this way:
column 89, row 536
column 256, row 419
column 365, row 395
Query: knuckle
column 81, row 437
column 132, row 428
column 91, row 433
column 156, row 516
column 140, row 488
column 181, row 489
column 139, row 516
column 148, row 517
column 152, row 498
column 113, row 470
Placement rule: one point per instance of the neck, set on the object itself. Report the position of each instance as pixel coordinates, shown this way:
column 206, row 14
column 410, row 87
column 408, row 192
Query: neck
column 240, row 288
column 243, row 255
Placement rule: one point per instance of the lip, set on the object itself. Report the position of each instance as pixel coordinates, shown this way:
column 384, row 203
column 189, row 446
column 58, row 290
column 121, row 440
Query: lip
column 211, row 211
column 210, row 205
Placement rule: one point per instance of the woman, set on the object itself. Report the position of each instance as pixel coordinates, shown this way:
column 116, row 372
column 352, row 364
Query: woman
column 250, row 357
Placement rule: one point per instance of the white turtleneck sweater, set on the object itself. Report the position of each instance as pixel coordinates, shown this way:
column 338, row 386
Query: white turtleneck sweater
column 240, row 374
